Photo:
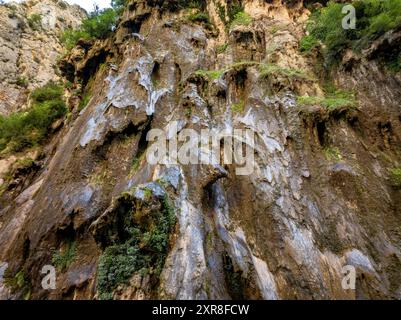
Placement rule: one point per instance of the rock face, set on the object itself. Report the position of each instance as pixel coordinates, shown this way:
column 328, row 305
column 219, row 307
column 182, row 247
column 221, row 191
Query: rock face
column 29, row 47
column 318, row 199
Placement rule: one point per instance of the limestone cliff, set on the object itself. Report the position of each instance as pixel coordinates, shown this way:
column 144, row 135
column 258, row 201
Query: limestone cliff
column 320, row 197
column 30, row 47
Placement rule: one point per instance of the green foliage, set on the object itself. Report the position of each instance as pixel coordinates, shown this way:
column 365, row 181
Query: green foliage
column 144, row 251
column 333, row 100
column 28, row 128
column 395, row 178
column 85, row 100
column 62, row 260
column 222, row 48
column 70, row 37
column 332, row 153
column 199, row 17
column 267, row 69
column 62, row 5
column 35, row 21
column 68, row 85
column 394, row 65
column 238, row 107
column 307, row 43
column 18, row 283
column 136, row 162
column 211, row 74
column 25, row 165
column 25, row 162
column 147, row 193
column 118, row 5
column 188, row 112
column 222, row 12
column 378, row 16
column 22, row 82
column 3, row 188
column 49, row 92
column 234, row 10
column 116, row 266
column 241, row 65
column 374, row 17
column 99, row 25
column 241, row 18
column 233, row 278
column 191, row 4
column 234, row 7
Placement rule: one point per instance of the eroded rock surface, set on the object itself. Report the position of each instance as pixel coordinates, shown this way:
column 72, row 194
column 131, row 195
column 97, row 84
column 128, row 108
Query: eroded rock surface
column 283, row 232
column 29, row 48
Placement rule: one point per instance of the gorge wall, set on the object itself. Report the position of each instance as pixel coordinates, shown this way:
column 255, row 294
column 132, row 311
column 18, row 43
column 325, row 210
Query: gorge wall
column 118, row 227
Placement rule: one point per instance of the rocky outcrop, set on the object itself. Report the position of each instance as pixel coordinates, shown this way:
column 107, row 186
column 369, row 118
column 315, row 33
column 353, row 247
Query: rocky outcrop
column 30, row 47
column 318, row 198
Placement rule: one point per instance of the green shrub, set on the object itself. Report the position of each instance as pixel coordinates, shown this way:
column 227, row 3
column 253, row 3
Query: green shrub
column 118, row 5
column 22, row 82
column 28, row 128
column 307, row 43
column 332, row 153
column 210, row 74
column 238, row 107
column 85, row 100
column 68, row 85
column 188, row 112
column 99, row 25
column 136, row 163
column 241, row 18
column 333, row 100
column 116, row 266
column 18, row 283
column 70, row 37
column 234, row 7
column 25, row 162
column 62, row 260
column 199, row 17
column 191, row 4
column 62, row 5
column 144, row 250
column 227, row 16
column 239, row 65
column 394, row 65
column 35, row 21
column 267, row 69
column 395, row 177
column 222, row 48
column 374, row 17
column 222, row 12
column 49, row 92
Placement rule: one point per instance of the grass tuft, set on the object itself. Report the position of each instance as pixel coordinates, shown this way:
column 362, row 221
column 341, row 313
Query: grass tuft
column 395, row 178
column 241, row 19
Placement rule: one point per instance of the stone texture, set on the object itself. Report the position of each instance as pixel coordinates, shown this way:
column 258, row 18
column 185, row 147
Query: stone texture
column 284, row 232
column 29, row 53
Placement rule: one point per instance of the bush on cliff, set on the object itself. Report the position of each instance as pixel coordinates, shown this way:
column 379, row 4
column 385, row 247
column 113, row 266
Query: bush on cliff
column 373, row 19
column 30, row 127
column 99, row 25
